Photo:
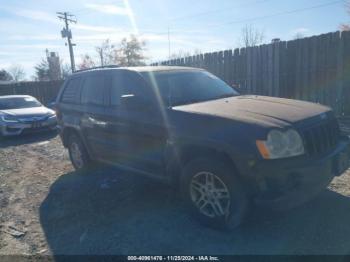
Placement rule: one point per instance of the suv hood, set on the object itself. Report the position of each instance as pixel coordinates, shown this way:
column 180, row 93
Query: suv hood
column 26, row 112
column 258, row 110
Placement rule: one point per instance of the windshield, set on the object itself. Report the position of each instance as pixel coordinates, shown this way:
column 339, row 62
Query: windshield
column 18, row 102
column 180, row 88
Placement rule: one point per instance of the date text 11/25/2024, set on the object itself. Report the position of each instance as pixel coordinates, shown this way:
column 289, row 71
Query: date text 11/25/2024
column 172, row 258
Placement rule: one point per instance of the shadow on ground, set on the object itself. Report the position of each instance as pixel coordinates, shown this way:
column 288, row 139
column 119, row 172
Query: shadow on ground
column 28, row 138
column 114, row 212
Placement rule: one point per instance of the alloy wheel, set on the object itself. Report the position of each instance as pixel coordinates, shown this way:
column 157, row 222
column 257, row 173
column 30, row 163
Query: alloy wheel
column 210, row 195
column 76, row 154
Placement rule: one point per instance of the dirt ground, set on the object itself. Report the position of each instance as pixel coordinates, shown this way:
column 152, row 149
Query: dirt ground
column 47, row 208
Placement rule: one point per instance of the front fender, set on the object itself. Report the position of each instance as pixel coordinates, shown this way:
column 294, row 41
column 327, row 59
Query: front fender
column 179, row 151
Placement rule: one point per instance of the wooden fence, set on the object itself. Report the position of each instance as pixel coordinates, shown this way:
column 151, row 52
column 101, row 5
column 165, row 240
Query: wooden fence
column 44, row 91
column 315, row 69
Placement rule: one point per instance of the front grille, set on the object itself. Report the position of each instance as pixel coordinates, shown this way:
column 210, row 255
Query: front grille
column 32, row 119
column 321, row 138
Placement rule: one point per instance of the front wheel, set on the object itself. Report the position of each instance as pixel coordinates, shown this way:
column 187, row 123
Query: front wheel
column 213, row 193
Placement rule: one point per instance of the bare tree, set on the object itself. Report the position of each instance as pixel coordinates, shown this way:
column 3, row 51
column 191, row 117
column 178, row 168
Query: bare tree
column 106, row 53
column 130, row 52
column 251, row 36
column 182, row 54
column 87, row 62
column 66, row 70
column 298, row 35
column 346, row 27
column 17, row 72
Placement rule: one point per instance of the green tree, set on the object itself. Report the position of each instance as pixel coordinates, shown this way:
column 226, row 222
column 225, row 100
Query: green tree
column 42, row 71
column 5, row 76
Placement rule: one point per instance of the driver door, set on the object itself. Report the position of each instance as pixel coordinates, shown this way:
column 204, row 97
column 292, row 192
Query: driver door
column 136, row 128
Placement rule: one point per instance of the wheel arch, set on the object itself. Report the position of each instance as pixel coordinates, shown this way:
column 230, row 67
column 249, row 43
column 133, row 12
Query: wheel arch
column 66, row 132
column 181, row 155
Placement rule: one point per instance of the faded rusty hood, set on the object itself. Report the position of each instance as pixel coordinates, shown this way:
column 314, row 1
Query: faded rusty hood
column 258, row 110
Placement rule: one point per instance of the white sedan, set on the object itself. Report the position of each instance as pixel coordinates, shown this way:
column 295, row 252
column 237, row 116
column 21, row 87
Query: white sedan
column 22, row 113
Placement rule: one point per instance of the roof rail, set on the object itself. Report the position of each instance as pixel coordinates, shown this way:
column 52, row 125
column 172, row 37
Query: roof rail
column 96, row 67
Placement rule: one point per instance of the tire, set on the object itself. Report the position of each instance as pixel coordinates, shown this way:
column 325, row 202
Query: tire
column 77, row 153
column 213, row 193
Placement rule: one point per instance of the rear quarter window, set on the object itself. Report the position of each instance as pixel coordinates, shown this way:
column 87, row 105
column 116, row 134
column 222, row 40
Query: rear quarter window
column 71, row 91
column 94, row 88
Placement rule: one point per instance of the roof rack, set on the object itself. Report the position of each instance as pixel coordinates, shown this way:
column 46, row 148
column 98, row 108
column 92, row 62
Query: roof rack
column 96, row 67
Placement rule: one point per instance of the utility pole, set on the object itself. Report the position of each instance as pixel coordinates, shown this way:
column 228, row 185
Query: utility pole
column 67, row 33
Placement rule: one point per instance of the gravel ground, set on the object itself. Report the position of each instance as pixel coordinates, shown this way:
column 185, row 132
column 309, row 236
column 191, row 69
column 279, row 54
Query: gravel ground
column 47, row 208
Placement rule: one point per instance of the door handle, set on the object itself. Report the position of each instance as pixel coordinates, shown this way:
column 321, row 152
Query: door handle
column 97, row 122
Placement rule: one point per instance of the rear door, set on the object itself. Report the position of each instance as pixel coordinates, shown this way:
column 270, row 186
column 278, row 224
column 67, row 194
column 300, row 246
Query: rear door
column 93, row 121
column 68, row 107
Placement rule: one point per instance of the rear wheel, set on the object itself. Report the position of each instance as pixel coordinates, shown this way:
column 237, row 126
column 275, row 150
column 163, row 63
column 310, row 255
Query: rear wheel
column 213, row 193
column 77, row 153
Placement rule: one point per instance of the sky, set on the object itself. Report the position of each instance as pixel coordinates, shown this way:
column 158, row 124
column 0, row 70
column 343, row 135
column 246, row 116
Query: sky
column 30, row 27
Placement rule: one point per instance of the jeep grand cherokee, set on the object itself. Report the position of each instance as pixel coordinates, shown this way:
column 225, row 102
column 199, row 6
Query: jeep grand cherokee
column 188, row 127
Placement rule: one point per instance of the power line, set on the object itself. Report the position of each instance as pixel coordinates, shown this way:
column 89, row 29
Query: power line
column 260, row 17
column 87, row 10
column 191, row 16
column 67, row 33
column 278, row 14
column 236, row 21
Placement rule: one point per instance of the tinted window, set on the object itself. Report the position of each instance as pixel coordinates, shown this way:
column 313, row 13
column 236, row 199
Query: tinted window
column 127, row 84
column 18, row 102
column 178, row 88
column 71, row 92
column 93, row 90
column 136, row 85
column 133, row 85
column 116, row 89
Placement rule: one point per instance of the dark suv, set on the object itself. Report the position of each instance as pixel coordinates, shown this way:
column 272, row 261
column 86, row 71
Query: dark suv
column 186, row 126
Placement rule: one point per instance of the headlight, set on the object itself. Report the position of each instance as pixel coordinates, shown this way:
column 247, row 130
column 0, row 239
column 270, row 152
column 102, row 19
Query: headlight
column 9, row 119
column 281, row 144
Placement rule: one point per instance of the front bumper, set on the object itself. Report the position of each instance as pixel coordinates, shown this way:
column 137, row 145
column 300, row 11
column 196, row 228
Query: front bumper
column 13, row 129
column 284, row 184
